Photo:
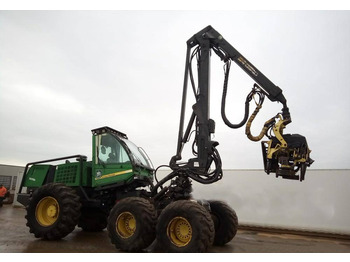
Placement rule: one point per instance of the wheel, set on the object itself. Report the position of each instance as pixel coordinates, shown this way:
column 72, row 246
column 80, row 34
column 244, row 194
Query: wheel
column 185, row 226
column 131, row 224
column 225, row 221
column 92, row 219
column 53, row 211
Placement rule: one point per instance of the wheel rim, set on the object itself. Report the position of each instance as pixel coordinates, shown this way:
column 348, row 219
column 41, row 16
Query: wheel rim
column 47, row 211
column 179, row 231
column 126, row 225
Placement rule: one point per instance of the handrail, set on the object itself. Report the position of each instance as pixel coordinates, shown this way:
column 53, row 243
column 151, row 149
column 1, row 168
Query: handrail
column 81, row 159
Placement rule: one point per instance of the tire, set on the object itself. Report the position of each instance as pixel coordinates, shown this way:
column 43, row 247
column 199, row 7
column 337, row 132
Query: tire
column 131, row 224
column 92, row 219
column 185, row 226
column 225, row 221
column 53, row 211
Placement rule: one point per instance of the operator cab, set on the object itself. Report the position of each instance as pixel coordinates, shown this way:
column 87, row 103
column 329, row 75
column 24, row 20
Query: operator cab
column 114, row 147
column 116, row 158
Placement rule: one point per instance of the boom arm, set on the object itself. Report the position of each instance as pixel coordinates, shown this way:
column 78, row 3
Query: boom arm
column 226, row 51
column 283, row 154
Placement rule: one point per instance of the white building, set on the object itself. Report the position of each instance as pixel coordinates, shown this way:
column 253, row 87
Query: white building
column 10, row 177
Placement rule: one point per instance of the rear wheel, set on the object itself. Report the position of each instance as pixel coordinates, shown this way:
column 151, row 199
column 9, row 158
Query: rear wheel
column 131, row 224
column 185, row 226
column 225, row 221
column 53, row 211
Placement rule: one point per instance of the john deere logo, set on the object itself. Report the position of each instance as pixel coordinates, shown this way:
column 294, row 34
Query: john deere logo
column 98, row 174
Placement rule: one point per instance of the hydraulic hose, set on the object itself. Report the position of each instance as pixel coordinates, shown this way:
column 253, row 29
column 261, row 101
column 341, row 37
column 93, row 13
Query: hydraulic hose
column 223, row 102
column 268, row 124
column 208, row 178
column 263, row 131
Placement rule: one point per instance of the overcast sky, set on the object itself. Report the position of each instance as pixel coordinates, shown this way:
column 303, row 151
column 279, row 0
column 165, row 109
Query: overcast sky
column 63, row 73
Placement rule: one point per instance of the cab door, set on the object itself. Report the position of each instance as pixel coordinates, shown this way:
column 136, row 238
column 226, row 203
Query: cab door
column 111, row 161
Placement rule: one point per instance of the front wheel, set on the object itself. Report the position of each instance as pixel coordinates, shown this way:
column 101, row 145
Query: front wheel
column 185, row 226
column 131, row 224
column 53, row 211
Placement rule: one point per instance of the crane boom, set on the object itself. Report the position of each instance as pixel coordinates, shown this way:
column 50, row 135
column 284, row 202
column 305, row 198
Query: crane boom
column 283, row 154
column 226, row 51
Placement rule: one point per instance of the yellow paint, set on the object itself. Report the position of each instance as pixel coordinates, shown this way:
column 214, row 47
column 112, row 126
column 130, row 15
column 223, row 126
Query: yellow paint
column 47, row 211
column 179, row 231
column 125, row 225
column 114, row 174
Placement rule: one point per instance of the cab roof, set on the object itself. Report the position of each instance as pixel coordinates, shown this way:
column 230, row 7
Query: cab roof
column 106, row 129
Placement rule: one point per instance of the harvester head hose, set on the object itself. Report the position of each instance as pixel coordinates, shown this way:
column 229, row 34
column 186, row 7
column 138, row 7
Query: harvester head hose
column 257, row 91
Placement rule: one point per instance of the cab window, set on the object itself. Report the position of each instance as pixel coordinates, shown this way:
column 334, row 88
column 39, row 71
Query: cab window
column 109, row 150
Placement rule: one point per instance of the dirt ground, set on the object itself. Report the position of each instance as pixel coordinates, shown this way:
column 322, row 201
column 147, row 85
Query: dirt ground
column 15, row 238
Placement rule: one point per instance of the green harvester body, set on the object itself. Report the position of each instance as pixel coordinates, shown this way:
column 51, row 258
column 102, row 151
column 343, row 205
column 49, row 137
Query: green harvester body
column 117, row 166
